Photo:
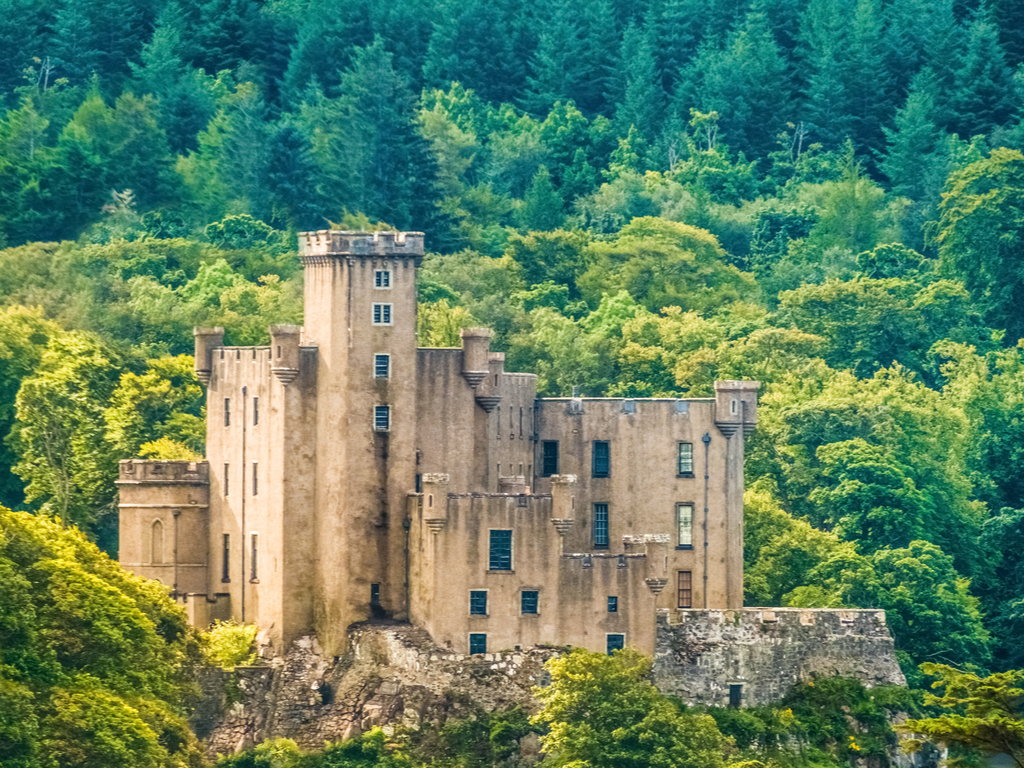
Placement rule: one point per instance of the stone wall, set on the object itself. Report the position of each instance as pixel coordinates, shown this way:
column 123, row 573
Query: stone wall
column 766, row 650
column 394, row 674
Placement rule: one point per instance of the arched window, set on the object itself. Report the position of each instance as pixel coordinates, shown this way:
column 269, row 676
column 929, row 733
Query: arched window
column 157, row 543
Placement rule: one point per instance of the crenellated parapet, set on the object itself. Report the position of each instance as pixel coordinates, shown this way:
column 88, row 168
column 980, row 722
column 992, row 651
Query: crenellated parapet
column 325, row 243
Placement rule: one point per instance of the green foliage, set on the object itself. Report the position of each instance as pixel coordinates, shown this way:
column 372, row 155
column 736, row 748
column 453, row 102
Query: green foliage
column 228, row 644
column 602, row 711
column 91, row 659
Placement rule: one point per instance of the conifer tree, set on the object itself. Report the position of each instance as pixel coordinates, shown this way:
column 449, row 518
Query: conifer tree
column 677, row 28
column 290, row 178
column 560, row 70
column 21, row 37
column 912, row 144
column 226, row 34
column 825, row 42
column 982, row 85
column 602, row 42
column 541, row 209
column 643, row 103
column 944, row 39
column 323, row 49
column 868, row 82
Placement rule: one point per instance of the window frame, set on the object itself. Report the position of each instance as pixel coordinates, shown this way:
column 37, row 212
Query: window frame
column 254, row 554
column 545, row 458
column 480, row 637
column 225, row 566
column 606, row 447
column 600, row 509
column 680, row 505
column 688, row 589
column 255, row 411
column 382, row 313
column 382, row 279
column 227, row 474
column 680, row 472
column 227, row 411
column 621, row 643
column 475, row 595
column 613, row 603
column 378, row 357
column 255, row 478
column 536, row 602
column 378, row 412
column 493, row 557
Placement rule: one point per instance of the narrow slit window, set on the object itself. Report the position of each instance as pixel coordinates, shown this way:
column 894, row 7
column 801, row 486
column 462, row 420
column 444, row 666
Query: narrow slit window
column 156, row 555
column 613, row 604
column 684, row 525
column 735, row 695
column 255, row 411
column 615, row 643
column 375, row 594
column 381, row 366
column 529, row 600
column 227, row 411
column 685, row 589
column 500, row 558
column 550, row 456
column 685, row 459
column 225, row 562
column 255, row 478
column 477, row 643
column 520, row 422
column 227, row 467
column 601, row 458
column 382, row 418
column 478, row 602
column 497, row 420
column 601, row 526
column 255, row 554
column 382, row 314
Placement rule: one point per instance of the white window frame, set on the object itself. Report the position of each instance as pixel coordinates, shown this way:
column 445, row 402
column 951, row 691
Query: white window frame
column 387, row 314
column 376, row 428
column 487, row 603
column 382, row 279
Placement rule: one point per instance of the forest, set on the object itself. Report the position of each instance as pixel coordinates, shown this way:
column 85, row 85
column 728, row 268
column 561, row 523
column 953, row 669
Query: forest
column 639, row 196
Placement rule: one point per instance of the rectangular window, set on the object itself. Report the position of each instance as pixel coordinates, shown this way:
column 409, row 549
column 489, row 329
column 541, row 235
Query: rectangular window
column 255, row 411
column 382, row 314
column 601, row 458
column 227, row 411
column 601, row 526
column 684, row 525
column 735, row 693
column 382, row 418
column 528, row 600
column 255, row 479
column 225, row 562
column 254, row 564
column 685, row 459
column 616, row 643
column 478, row 602
column 375, row 594
column 381, row 366
column 685, row 589
column 382, row 278
column 477, row 642
column 501, row 551
column 613, row 604
column 550, row 449
column 226, row 468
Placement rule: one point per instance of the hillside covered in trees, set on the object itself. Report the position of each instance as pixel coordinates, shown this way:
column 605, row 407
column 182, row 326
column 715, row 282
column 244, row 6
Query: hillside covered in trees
column 639, row 197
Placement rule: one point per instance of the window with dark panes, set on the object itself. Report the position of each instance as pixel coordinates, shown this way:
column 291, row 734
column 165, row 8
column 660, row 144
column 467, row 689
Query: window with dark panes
column 529, row 600
column 613, row 604
column 601, row 458
column 225, row 563
column 477, row 642
column 382, row 418
column 685, row 459
column 550, row 456
column 478, row 602
column 381, row 366
column 685, row 589
column 616, row 643
column 601, row 525
column 501, row 551
column 736, row 695
column 227, row 411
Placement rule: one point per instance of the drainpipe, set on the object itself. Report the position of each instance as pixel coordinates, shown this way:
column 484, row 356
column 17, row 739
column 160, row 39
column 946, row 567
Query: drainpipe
column 707, row 446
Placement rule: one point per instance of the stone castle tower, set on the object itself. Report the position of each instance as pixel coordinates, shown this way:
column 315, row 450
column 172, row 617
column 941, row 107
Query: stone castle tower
column 352, row 475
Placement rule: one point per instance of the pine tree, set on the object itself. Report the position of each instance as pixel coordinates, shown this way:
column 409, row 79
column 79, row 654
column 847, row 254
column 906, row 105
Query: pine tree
column 868, row 82
column 982, row 85
column 825, row 42
column 602, row 45
column 944, row 39
column 98, row 37
column 162, row 67
column 678, row 32
column 643, row 103
column 21, row 25
column 560, row 67
column 1009, row 18
column 226, row 34
column 541, row 209
column 290, row 178
column 323, row 49
column 580, row 178
column 911, row 146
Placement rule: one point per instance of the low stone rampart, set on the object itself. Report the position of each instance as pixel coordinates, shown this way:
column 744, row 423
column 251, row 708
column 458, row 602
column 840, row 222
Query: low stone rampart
column 700, row 654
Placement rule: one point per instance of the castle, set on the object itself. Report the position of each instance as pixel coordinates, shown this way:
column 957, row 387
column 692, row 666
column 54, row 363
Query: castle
column 353, row 475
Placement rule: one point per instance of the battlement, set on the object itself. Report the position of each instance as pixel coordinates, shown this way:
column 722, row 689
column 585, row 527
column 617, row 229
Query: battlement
column 136, row 471
column 327, row 242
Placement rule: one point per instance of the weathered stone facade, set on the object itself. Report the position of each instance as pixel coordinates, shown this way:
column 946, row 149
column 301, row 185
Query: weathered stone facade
column 764, row 651
column 352, row 475
column 393, row 674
